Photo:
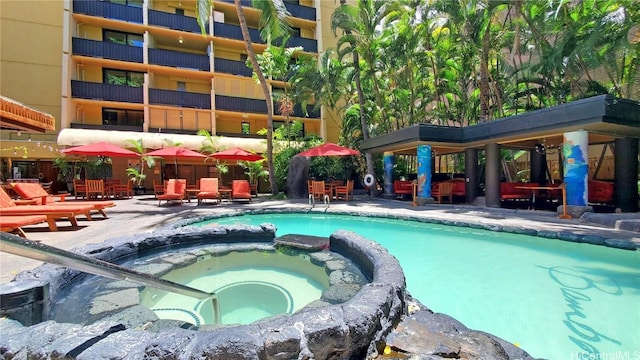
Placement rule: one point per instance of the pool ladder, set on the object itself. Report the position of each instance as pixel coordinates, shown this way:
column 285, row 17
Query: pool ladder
column 34, row 250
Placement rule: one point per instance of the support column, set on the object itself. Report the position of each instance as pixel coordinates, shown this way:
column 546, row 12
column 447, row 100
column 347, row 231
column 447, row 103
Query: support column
column 471, row 175
column 575, row 148
column 492, row 175
column 387, row 158
column 538, row 165
column 424, row 171
column 626, row 174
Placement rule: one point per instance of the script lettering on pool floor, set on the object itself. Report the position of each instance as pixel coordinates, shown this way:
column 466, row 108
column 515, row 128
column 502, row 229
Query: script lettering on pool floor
column 573, row 287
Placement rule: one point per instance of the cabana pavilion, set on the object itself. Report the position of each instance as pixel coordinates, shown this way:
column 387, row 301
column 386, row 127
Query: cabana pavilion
column 573, row 127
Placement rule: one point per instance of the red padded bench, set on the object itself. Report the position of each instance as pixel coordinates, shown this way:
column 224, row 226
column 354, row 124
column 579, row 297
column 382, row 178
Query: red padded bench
column 403, row 187
column 600, row 192
column 510, row 191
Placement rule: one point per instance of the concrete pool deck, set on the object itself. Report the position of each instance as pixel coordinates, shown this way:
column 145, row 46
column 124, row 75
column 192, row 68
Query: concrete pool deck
column 142, row 214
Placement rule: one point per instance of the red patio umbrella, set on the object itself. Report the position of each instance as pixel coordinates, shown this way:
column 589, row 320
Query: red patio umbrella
column 100, row 149
column 329, row 149
column 175, row 153
column 236, row 154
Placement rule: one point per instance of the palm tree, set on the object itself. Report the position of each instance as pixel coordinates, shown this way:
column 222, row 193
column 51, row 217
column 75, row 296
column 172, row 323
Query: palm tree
column 355, row 38
column 275, row 62
column 273, row 26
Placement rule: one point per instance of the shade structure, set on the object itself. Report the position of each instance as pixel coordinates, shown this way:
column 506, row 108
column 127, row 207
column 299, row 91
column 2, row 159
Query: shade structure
column 329, row 149
column 236, row 154
column 100, row 149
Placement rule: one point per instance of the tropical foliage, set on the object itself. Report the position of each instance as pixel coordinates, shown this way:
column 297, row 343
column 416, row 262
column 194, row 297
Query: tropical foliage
column 458, row 63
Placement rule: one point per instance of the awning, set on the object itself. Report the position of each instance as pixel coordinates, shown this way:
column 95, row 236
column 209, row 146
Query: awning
column 17, row 116
column 75, row 137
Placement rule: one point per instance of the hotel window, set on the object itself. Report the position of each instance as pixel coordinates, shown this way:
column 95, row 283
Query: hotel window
column 123, row 38
column 123, row 77
column 245, row 128
column 122, row 117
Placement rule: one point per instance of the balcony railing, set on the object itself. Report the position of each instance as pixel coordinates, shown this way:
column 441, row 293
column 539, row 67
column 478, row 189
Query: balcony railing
column 230, row 31
column 309, row 45
column 231, row 103
column 232, row 67
column 107, row 50
column 301, row 11
column 297, row 111
column 173, row 21
column 106, row 92
column 245, row 3
column 106, row 127
column 296, row 10
column 179, row 59
column 180, row 98
column 108, row 10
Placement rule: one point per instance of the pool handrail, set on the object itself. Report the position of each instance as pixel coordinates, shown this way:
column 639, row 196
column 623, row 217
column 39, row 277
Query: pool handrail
column 34, row 250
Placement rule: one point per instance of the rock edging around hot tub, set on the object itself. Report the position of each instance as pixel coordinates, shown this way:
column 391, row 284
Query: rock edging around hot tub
column 353, row 329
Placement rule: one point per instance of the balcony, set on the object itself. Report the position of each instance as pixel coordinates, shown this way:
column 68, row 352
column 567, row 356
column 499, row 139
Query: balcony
column 106, row 127
column 233, row 32
column 296, row 10
column 106, row 92
column 301, row 11
column 108, row 10
column 106, row 50
column 178, row 59
column 231, row 103
column 309, row 45
column 245, row 3
column 232, row 67
column 173, row 21
column 180, row 98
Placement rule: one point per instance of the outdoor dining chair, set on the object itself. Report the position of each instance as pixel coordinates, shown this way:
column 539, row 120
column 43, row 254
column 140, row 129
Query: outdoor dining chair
column 344, row 191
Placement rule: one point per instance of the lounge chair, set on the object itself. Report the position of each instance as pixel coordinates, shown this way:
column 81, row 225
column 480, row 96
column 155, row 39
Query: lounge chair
column 174, row 191
column 53, row 212
column 208, row 189
column 13, row 224
column 31, row 191
column 240, row 190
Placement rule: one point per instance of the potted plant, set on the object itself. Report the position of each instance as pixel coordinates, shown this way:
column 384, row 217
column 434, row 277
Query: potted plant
column 254, row 170
column 136, row 173
column 66, row 171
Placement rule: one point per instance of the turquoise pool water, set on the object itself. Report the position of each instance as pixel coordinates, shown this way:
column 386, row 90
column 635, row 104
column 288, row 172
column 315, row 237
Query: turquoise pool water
column 555, row 299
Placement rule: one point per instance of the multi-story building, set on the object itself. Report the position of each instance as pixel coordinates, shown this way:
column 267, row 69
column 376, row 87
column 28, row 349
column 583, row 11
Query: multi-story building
column 143, row 69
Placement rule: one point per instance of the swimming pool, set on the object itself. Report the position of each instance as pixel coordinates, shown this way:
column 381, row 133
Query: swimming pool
column 553, row 298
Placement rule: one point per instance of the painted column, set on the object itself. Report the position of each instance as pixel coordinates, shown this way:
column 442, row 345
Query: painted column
column 471, row 174
column 575, row 149
column 424, row 171
column 626, row 174
column 387, row 158
column 492, row 175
